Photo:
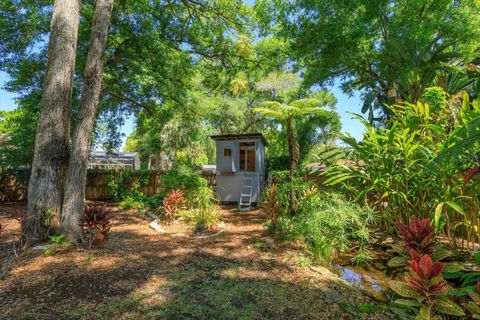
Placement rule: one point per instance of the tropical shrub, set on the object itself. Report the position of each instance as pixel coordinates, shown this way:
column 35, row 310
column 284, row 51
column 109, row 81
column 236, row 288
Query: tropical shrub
column 203, row 198
column 271, row 204
column 96, row 220
column 172, row 203
column 182, row 177
column 412, row 166
column 204, row 217
column 126, row 183
column 329, row 224
column 419, row 236
column 134, row 200
column 425, row 288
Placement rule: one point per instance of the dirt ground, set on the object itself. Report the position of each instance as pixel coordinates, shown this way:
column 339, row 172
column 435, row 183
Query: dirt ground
column 140, row 274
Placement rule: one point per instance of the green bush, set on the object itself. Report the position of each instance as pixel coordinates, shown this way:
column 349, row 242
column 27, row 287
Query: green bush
column 182, row 177
column 412, row 167
column 328, row 223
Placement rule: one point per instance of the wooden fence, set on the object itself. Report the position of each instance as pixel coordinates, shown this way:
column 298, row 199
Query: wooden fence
column 13, row 189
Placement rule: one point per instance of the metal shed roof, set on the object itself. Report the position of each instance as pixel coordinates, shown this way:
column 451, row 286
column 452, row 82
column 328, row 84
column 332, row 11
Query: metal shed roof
column 243, row 136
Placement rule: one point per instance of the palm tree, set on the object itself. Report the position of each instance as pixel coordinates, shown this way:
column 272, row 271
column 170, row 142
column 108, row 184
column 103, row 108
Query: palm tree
column 287, row 114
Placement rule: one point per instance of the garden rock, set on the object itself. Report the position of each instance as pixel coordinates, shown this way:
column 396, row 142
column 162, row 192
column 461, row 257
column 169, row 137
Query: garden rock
column 156, row 226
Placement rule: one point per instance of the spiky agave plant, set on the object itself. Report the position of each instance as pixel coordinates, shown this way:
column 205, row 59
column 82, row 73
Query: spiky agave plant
column 425, row 288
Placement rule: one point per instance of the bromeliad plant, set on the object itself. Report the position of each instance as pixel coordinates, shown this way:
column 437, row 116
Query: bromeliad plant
column 419, row 236
column 172, row 203
column 425, row 288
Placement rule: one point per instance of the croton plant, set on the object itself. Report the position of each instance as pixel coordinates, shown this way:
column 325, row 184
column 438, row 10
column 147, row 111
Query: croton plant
column 425, row 288
column 419, row 236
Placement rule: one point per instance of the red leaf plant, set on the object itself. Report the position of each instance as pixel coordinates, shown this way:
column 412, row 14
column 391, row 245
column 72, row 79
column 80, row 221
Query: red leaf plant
column 419, row 235
column 97, row 218
column 425, row 275
column 172, row 203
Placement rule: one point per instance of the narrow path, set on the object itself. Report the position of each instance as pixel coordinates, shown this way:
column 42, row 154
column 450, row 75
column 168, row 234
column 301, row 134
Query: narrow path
column 139, row 274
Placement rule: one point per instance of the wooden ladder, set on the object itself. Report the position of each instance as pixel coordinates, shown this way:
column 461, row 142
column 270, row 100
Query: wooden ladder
column 245, row 203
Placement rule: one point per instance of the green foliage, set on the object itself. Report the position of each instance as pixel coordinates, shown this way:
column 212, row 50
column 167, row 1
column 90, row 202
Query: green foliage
column 327, row 222
column 396, row 168
column 123, row 183
column 376, row 46
column 182, row 177
column 58, row 242
column 16, row 150
column 330, row 224
column 204, row 217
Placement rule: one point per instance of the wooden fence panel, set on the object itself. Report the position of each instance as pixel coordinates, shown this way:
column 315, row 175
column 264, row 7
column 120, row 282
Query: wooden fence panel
column 96, row 185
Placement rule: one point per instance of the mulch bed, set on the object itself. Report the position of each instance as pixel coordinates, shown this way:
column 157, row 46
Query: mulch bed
column 140, row 274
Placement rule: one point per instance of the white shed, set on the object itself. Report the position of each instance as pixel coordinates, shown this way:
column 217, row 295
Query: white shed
column 240, row 166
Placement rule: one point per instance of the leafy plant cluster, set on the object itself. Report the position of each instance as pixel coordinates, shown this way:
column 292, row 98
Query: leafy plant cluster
column 419, row 236
column 416, row 164
column 183, row 192
column 202, row 208
column 425, row 288
column 172, row 203
column 327, row 222
column 425, row 285
column 97, row 222
column 125, row 186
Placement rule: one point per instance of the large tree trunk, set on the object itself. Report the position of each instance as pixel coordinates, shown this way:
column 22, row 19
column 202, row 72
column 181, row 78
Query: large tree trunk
column 52, row 137
column 82, row 137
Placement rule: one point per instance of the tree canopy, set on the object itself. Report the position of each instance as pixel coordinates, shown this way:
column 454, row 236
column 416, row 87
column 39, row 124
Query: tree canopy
column 384, row 48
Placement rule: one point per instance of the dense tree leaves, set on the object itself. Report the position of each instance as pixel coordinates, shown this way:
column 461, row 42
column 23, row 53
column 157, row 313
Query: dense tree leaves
column 385, row 48
column 153, row 51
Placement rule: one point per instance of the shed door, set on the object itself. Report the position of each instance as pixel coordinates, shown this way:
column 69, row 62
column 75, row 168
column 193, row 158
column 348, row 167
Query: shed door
column 247, row 156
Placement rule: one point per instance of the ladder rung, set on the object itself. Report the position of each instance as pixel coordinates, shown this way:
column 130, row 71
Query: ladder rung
column 245, row 195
